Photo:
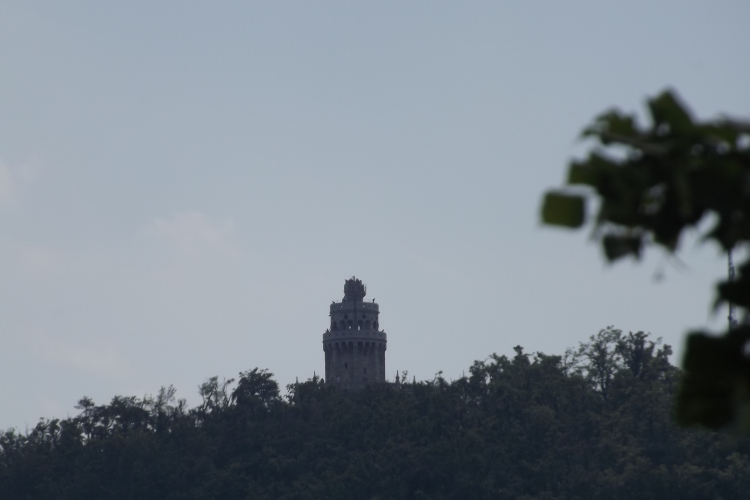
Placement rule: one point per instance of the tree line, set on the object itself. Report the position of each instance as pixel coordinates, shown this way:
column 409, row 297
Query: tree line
column 596, row 422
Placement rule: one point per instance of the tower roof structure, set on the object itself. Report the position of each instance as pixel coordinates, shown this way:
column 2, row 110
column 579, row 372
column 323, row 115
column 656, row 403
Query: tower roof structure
column 354, row 290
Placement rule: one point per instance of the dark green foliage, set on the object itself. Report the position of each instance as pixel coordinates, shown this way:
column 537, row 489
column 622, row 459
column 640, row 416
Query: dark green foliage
column 563, row 209
column 652, row 184
column 655, row 182
column 595, row 423
column 715, row 389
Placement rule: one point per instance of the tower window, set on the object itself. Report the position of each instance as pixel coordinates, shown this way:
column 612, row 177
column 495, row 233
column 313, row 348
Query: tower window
column 346, row 365
column 365, row 370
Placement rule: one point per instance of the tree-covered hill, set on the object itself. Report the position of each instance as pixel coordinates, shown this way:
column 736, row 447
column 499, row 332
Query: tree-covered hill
column 595, row 423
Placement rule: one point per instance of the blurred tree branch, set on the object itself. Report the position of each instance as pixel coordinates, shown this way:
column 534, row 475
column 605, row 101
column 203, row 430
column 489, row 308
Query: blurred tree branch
column 673, row 174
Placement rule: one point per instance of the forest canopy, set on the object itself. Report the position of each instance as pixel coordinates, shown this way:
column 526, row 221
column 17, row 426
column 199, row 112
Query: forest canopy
column 595, row 422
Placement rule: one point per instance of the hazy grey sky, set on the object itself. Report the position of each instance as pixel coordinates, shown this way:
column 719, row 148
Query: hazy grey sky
column 185, row 186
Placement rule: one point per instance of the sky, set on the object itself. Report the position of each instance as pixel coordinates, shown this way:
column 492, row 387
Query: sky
column 185, row 186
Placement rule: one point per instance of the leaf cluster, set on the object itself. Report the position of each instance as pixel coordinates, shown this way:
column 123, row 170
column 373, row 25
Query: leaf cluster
column 653, row 183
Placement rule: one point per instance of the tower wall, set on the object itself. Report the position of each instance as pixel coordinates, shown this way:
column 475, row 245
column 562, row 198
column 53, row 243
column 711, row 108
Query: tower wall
column 354, row 345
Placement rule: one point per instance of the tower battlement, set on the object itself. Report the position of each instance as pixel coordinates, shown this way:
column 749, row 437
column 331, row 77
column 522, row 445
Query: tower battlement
column 354, row 345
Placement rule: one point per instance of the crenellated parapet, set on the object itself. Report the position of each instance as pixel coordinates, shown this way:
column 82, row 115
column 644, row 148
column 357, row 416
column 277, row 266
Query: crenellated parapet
column 369, row 335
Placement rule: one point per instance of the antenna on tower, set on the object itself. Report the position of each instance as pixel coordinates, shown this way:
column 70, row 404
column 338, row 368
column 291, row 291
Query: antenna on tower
column 730, row 264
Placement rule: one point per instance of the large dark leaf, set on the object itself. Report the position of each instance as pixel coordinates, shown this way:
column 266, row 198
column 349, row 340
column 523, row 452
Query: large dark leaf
column 667, row 110
column 562, row 209
column 715, row 380
column 613, row 122
column 616, row 247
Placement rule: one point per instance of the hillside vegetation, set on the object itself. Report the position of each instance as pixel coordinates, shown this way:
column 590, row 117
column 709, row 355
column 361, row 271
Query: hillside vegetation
column 595, row 423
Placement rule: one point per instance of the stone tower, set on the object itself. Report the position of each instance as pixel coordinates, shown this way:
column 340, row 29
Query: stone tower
column 354, row 346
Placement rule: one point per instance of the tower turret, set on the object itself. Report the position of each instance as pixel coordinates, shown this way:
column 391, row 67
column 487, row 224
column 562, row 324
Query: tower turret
column 354, row 345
